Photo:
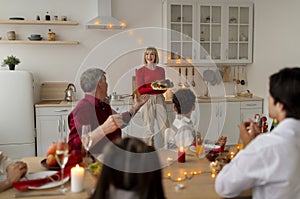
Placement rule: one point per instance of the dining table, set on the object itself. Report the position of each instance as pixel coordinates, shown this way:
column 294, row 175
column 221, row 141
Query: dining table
column 188, row 180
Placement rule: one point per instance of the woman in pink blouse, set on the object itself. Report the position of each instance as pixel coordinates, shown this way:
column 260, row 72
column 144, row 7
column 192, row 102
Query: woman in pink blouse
column 155, row 107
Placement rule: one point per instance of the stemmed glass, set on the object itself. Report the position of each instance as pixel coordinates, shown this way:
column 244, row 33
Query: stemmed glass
column 86, row 139
column 62, row 152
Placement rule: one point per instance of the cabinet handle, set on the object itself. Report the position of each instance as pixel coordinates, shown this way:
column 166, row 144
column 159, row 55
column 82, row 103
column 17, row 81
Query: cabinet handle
column 59, row 126
column 226, row 53
column 62, row 110
column 64, row 125
column 250, row 104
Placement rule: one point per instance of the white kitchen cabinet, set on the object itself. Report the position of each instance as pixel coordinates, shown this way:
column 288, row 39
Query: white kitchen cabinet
column 47, row 125
column 202, row 31
column 219, row 118
column 250, row 108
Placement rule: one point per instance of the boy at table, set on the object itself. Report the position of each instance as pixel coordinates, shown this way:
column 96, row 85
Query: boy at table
column 182, row 132
column 14, row 171
column 269, row 163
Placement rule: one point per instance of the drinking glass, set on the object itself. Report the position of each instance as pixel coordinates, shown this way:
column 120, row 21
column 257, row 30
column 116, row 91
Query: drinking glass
column 200, row 153
column 86, row 139
column 61, row 154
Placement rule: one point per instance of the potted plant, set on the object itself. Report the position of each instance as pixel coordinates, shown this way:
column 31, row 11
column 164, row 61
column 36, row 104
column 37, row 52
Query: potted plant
column 11, row 61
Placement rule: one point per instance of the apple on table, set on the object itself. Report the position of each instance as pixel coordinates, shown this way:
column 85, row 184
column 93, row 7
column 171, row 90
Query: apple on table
column 75, row 156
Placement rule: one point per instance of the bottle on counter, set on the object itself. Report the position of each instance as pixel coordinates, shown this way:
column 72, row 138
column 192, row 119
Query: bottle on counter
column 47, row 16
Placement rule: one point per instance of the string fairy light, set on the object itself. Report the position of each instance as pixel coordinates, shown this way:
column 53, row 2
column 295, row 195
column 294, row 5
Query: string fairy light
column 186, row 176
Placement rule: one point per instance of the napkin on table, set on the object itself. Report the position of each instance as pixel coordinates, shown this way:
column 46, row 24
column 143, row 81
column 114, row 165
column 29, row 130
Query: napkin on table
column 25, row 184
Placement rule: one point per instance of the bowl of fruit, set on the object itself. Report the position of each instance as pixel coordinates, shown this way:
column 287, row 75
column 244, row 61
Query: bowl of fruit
column 74, row 157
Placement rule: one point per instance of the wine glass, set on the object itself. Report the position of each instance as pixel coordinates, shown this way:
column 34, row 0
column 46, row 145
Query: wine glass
column 86, row 139
column 61, row 154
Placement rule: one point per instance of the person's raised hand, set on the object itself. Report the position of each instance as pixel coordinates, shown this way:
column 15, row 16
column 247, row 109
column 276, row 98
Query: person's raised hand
column 140, row 101
column 112, row 123
column 248, row 131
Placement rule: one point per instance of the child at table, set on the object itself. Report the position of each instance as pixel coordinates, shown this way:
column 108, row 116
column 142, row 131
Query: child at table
column 131, row 170
column 182, row 132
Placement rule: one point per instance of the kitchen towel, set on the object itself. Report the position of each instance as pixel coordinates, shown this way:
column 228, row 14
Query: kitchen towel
column 25, row 184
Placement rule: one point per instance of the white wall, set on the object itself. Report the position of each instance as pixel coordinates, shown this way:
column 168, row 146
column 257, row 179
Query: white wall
column 276, row 38
column 62, row 62
column 276, row 42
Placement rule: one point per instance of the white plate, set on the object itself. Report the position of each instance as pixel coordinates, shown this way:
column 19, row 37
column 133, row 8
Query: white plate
column 193, row 148
column 211, row 146
column 43, row 174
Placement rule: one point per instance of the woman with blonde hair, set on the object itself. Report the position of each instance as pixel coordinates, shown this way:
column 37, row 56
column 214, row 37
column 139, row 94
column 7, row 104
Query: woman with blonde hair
column 155, row 107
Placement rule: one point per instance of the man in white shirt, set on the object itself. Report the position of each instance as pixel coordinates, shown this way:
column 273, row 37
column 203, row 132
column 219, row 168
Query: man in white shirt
column 270, row 163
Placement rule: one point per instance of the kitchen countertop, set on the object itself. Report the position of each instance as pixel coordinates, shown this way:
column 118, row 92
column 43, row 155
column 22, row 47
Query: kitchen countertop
column 61, row 103
column 228, row 99
column 54, row 103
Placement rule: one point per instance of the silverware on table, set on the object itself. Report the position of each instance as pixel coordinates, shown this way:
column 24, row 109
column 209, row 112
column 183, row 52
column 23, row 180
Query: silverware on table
column 23, row 195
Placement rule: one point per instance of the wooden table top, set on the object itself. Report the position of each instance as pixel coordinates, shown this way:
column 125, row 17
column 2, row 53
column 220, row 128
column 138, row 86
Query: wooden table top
column 198, row 186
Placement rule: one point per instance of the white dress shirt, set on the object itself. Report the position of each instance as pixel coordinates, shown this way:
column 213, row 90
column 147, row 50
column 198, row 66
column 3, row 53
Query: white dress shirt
column 270, row 165
column 181, row 133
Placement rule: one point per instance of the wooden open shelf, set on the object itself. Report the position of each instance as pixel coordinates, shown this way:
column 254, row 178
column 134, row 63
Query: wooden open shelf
column 39, row 42
column 37, row 22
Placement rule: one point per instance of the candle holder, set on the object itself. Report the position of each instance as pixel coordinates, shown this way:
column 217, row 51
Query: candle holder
column 181, row 155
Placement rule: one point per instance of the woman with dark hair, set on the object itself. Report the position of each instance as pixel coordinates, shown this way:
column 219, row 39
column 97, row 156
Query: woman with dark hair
column 131, row 170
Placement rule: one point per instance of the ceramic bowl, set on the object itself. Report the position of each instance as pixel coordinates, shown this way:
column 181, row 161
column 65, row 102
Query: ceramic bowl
column 33, row 36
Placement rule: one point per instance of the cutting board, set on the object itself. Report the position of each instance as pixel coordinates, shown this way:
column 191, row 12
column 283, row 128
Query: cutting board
column 53, row 90
column 226, row 74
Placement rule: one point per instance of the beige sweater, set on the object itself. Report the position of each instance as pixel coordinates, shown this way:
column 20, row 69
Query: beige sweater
column 4, row 162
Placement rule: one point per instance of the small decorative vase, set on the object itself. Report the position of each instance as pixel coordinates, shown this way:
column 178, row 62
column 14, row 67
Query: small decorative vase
column 11, row 67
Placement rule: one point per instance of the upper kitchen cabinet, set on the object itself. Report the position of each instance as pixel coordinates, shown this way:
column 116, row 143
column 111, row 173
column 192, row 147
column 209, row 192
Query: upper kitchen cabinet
column 181, row 23
column 208, row 32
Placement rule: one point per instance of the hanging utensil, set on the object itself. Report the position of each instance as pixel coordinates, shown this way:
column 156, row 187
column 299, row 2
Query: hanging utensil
column 186, row 84
column 243, row 82
column 179, row 82
column 193, row 80
column 238, row 81
column 234, row 79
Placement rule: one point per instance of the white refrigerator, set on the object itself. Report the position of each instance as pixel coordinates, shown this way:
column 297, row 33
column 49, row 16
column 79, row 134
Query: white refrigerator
column 17, row 132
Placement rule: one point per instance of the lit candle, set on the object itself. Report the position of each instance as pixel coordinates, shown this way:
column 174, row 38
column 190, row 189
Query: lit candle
column 181, row 155
column 169, row 175
column 239, row 146
column 77, row 174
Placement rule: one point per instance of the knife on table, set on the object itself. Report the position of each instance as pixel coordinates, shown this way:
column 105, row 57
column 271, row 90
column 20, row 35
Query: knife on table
column 22, row 195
